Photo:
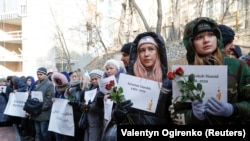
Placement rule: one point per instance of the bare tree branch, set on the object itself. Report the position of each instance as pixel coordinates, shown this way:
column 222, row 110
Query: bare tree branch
column 62, row 40
column 227, row 4
column 141, row 15
column 159, row 15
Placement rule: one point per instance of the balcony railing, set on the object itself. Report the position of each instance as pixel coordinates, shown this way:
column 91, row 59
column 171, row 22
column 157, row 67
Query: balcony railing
column 10, row 36
column 6, row 55
column 14, row 14
column 9, row 15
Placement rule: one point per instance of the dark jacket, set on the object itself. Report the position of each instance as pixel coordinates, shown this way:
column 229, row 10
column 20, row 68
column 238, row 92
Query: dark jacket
column 96, row 111
column 3, row 103
column 162, row 114
column 238, row 77
column 19, row 84
column 95, row 116
column 32, row 85
column 47, row 88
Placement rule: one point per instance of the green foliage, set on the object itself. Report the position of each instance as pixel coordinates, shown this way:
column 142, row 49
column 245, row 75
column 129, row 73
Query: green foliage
column 189, row 91
column 116, row 95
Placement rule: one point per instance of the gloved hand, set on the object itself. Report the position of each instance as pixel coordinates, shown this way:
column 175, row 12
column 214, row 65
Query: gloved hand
column 219, row 108
column 121, row 110
column 198, row 108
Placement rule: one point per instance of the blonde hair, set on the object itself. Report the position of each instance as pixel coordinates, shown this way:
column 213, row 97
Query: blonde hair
column 84, row 79
column 216, row 57
column 141, row 71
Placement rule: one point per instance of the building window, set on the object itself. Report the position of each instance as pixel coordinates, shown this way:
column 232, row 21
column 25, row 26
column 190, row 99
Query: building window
column 242, row 4
column 209, row 8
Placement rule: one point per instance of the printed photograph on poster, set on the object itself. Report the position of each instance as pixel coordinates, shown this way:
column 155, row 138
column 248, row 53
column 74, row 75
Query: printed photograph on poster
column 212, row 78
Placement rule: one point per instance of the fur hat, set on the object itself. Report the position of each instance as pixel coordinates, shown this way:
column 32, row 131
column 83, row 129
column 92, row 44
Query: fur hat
column 112, row 62
column 147, row 40
column 227, row 34
column 97, row 73
column 126, row 47
column 42, row 70
column 237, row 51
column 189, row 35
column 60, row 79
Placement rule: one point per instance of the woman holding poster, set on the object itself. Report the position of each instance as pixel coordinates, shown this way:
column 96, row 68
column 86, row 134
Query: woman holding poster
column 203, row 41
column 94, row 129
column 148, row 59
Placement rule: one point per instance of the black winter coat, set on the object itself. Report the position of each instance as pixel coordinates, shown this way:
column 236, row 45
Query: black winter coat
column 162, row 114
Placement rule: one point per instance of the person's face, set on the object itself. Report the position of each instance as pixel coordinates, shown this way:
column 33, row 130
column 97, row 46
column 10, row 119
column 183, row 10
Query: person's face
column 73, row 76
column 94, row 80
column 125, row 59
column 228, row 50
column 2, row 83
column 41, row 76
column 110, row 70
column 205, row 43
column 28, row 82
column 147, row 55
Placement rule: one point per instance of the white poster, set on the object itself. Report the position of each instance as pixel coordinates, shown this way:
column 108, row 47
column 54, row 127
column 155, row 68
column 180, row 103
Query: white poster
column 61, row 118
column 144, row 93
column 38, row 95
column 15, row 104
column 104, row 81
column 108, row 104
column 90, row 95
column 213, row 79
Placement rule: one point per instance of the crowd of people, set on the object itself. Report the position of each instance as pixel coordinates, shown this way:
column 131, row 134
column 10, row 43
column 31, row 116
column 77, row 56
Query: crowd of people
column 206, row 42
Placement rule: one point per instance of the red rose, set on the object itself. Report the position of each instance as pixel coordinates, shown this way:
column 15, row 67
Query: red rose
column 108, row 87
column 68, row 92
column 170, row 75
column 179, row 71
column 248, row 62
column 85, row 108
column 112, row 82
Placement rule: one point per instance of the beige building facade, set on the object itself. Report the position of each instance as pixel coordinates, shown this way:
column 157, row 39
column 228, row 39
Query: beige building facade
column 21, row 50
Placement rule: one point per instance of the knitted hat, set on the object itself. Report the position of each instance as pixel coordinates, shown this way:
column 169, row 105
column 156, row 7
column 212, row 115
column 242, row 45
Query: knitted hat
column 227, row 34
column 147, row 40
column 126, row 47
column 97, row 73
column 202, row 27
column 42, row 70
column 112, row 62
column 237, row 51
column 246, row 59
